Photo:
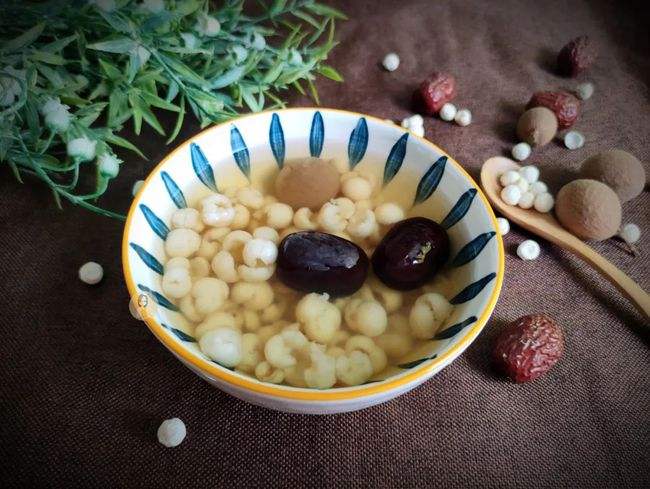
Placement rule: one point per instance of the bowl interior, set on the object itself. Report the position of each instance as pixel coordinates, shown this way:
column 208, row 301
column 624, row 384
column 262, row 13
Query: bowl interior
column 414, row 172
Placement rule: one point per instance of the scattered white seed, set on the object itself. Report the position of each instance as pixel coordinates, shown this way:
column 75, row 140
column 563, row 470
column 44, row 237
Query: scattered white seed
column 585, row 90
column 538, row 188
column 521, row 151
column 630, row 233
column 448, row 112
column 416, row 120
column 418, row 131
column 511, row 194
column 544, row 202
column 529, row 173
column 136, row 187
column 528, row 250
column 574, row 140
column 509, row 178
column 172, row 432
column 463, row 117
column 391, row 62
column 504, row 225
column 526, row 201
column 91, row 273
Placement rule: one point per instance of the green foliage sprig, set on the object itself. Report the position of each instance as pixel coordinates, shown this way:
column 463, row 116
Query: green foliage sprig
column 72, row 74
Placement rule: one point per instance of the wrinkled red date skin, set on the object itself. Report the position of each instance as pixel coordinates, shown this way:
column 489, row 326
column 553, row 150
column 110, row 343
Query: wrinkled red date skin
column 433, row 93
column 411, row 253
column 576, row 57
column 565, row 106
column 529, row 347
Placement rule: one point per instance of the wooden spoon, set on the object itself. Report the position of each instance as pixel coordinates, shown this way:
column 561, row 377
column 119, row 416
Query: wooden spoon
column 546, row 226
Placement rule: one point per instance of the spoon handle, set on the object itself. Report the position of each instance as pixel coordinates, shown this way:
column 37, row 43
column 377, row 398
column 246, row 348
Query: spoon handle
column 628, row 287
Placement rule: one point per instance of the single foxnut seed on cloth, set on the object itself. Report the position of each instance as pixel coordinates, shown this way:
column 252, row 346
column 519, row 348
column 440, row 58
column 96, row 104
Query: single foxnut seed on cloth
column 433, row 93
column 574, row 140
column 537, row 126
column 528, row 347
column 528, row 250
column 463, row 117
column 589, row 209
column 448, row 112
column 91, row 273
column 630, row 233
column 136, row 187
column 521, row 151
column 618, row 169
column 576, row 56
column 172, row 432
column 390, row 62
column 564, row 105
column 584, row 91
column 503, row 226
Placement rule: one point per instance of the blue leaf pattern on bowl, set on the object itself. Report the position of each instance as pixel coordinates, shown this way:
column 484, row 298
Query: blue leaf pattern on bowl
column 316, row 135
column 395, row 158
column 430, row 180
column 472, row 249
column 181, row 335
column 148, row 258
column 460, row 209
column 455, row 329
column 358, row 143
column 240, row 151
column 202, row 167
column 159, row 227
column 174, row 192
column 473, row 289
column 415, row 363
column 276, row 139
column 159, row 298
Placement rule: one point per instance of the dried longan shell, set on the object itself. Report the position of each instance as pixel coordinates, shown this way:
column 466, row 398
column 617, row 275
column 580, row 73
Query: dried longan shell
column 589, row 209
column 537, row 126
column 619, row 170
column 308, row 182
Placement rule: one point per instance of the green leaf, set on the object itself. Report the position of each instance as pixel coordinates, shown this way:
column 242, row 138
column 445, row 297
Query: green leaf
column 179, row 122
column 250, row 100
column 172, row 91
column 31, row 114
column 187, row 7
column 116, row 106
column 320, row 9
column 45, row 57
column 277, row 7
column 205, row 101
column 156, row 101
column 183, row 70
column 59, row 44
column 274, row 71
column 100, row 90
column 313, row 91
column 89, row 114
column 124, row 143
column 329, row 72
column 51, row 75
column 139, row 106
column 137, row 113
column 228, row 78
column 120, row 45
column 117, row 22
column 25, row 39
column 307, row 18
column 112, row 72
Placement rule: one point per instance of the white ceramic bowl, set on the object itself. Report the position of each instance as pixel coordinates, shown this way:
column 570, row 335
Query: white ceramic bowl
column 414, row 172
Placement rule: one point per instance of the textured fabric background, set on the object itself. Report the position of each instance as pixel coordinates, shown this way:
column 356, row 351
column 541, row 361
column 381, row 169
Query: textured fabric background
column 84, row 386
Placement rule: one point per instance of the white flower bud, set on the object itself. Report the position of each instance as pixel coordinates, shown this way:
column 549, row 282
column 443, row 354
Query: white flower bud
column 108, row 165
column 82, row 149
column 207, row 26
column 190, row 40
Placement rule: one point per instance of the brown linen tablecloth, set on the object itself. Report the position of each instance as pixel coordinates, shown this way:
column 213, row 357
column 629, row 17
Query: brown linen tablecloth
column 84, row 386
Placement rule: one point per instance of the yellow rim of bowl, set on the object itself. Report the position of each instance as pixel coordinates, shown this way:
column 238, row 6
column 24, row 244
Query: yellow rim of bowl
column 311, row 394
